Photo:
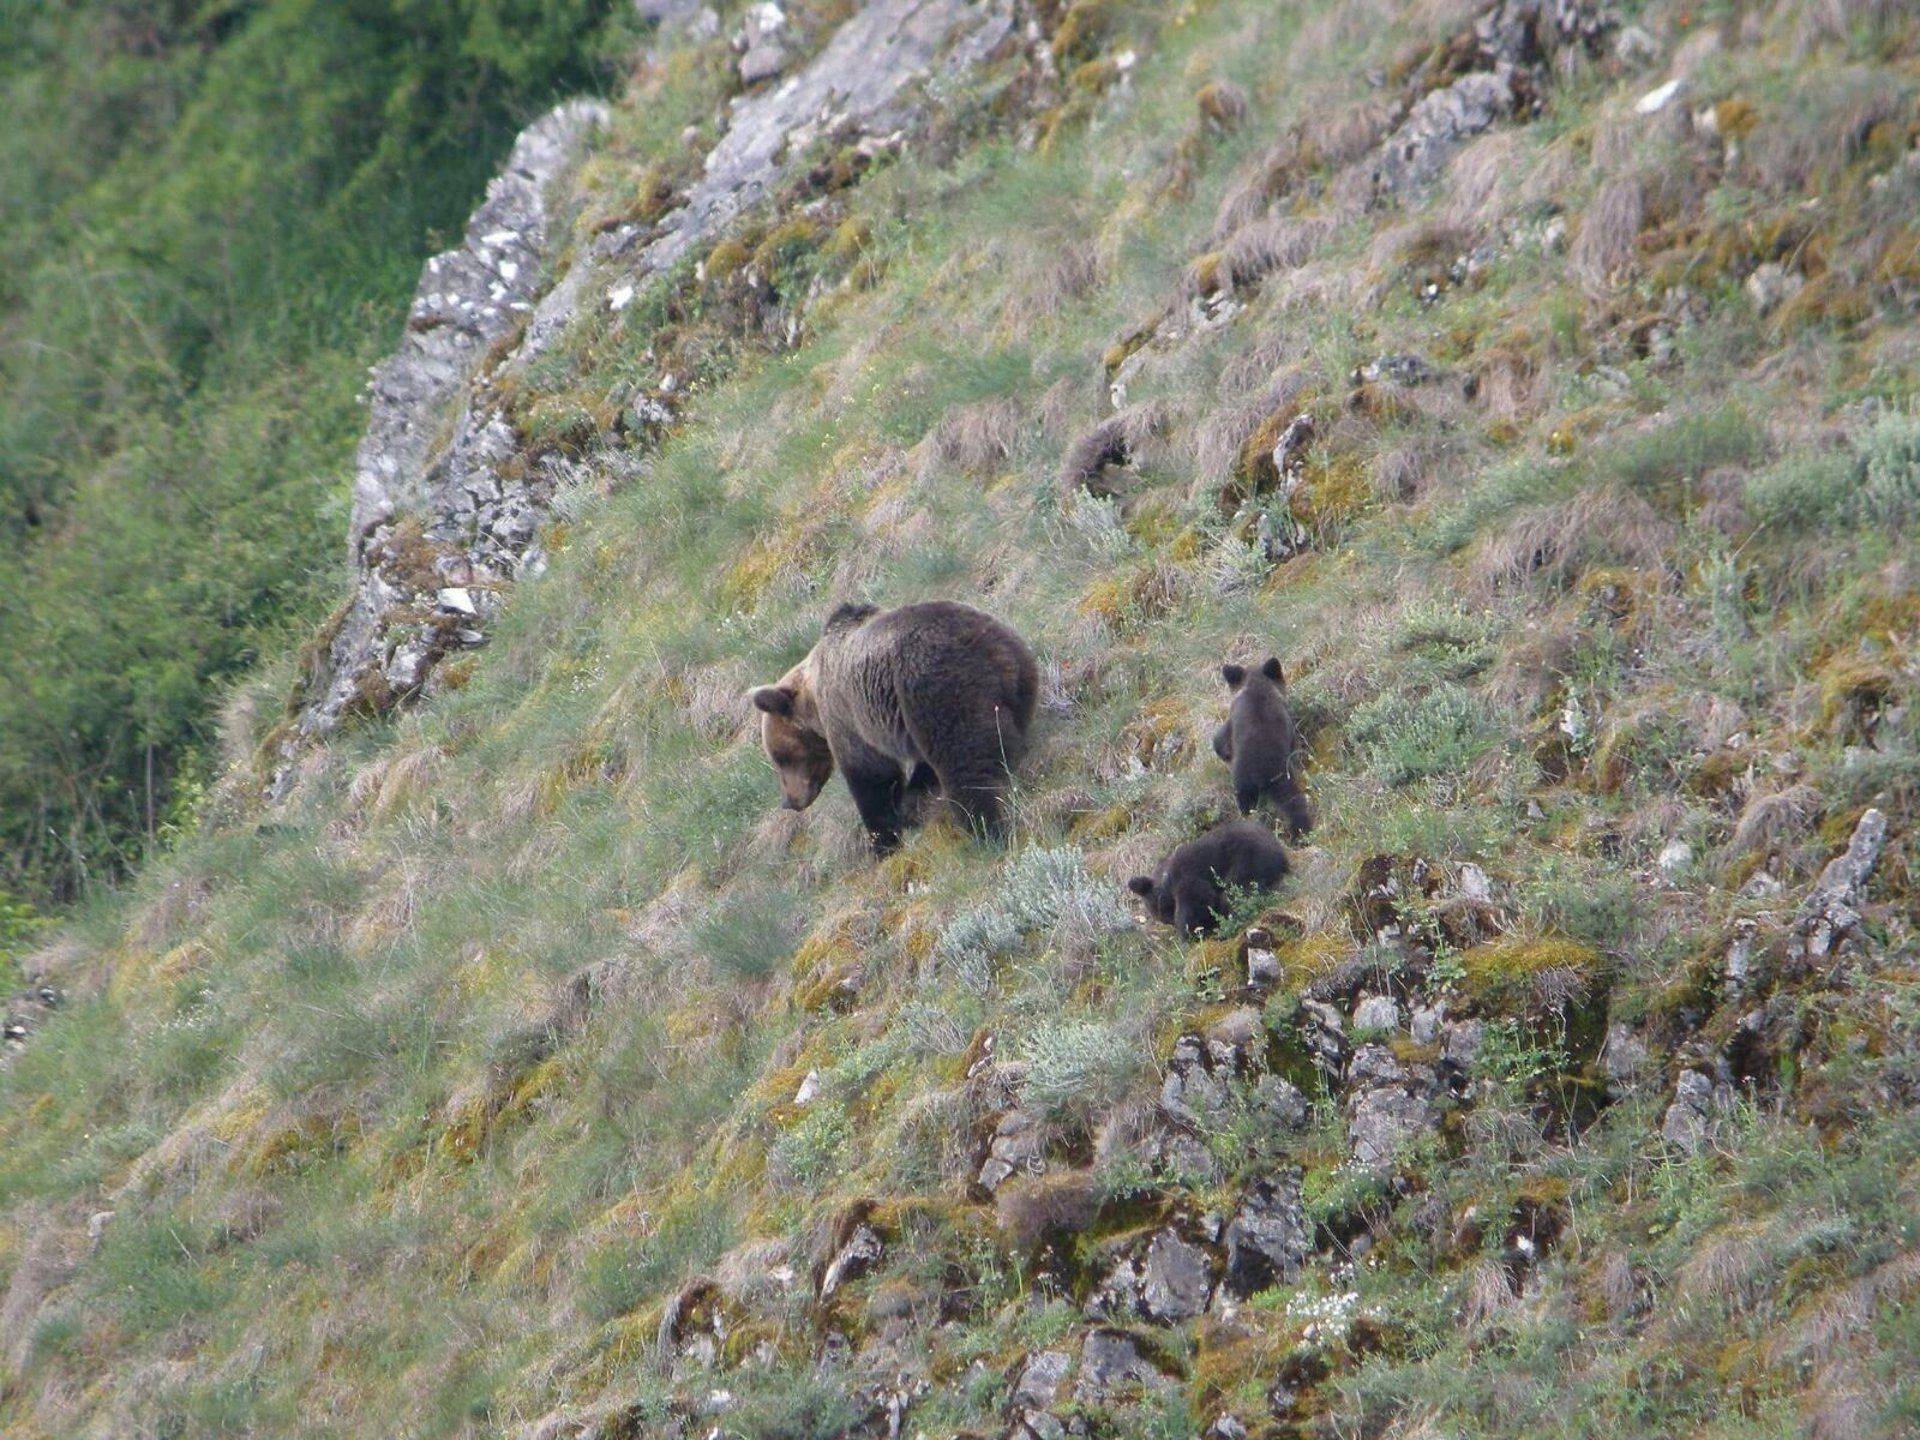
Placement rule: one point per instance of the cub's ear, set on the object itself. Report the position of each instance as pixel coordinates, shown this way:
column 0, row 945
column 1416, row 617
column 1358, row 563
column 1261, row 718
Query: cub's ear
column 1233, row 674
column 1272, row 670
column 774, row 699
column 1141, row 884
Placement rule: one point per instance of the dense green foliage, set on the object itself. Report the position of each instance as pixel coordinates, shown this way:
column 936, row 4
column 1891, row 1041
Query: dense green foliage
column 212, row 214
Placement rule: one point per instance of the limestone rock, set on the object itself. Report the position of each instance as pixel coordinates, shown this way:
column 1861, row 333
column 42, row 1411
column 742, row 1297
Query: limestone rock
column 1110, row 1364
column 1414, row 155
column 1377, row 1013
column 1040, row 1378
column 1701, row 1102
column 1831, row 911
column 1382, row 1121
column 859, row 1255
column 1267, row 1238
column 1017, row 1146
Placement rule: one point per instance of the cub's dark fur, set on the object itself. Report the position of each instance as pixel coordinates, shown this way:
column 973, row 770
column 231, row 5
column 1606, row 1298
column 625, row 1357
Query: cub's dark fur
column 1188, row 891
column 929, row 696
column 1260, row 742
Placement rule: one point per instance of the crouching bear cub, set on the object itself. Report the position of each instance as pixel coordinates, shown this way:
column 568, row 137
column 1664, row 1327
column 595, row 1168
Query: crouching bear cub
column 938, row 692
column 1189, row 891
column 1260, row 742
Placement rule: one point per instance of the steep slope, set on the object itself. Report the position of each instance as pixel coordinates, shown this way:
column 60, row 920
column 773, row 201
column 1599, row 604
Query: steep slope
column 1534, row 380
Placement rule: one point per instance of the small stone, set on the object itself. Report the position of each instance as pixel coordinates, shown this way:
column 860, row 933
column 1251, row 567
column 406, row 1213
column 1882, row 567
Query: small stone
column 1039, row 1381
column 620, row 296
column 1699, row 1103
column 1635, row 47
column 1110, row 1361
column 1282, row 1101
column 1426, row 1023
column 1676, row 857
column 1772, row 285
column 1475, row 884
column 859, row 1255
column 1267, row 1237
column 1227, row 1427
column 97, row 1225
column 1374, row 1065
column 1383, row 1121
column 1263, row 968
column 763, row 61
column 1657, row 99
column 457, row 600
column 1623, row 1059
column 1176, row 1280
column 809, row 1089
column 1377, row 1013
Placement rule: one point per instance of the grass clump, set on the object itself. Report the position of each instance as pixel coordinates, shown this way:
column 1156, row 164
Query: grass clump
column 1078, row 1068
column 1411, row 737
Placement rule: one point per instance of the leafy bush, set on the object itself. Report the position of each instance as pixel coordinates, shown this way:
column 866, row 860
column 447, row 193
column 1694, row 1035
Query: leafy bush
column 1411, row 737
column 1079, row 1067
column 1890, row 469
column 1039, row 890
column 808, row 1153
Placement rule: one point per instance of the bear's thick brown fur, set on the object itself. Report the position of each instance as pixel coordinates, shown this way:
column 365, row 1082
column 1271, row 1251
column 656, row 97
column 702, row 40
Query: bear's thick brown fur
column 1260, row 742
column 933, row 695
column 1189, row 890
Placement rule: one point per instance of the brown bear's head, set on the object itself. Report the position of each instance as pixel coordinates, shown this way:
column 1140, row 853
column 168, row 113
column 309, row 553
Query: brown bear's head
column 1192, row 905
column 790, row 729
column 1236, row 675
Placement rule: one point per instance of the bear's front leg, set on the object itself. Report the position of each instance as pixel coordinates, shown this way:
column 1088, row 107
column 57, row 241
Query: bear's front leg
column 1223, row 742
column 877, row 786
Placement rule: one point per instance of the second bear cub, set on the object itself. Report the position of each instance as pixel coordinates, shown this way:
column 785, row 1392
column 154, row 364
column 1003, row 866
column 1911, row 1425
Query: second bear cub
column 1260, row 742
column 1190, row 889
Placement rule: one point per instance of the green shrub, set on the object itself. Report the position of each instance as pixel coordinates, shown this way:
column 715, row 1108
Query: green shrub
column 1079, row 1067
column 1890, row 469
column 1410, row 737
column 1038, row 890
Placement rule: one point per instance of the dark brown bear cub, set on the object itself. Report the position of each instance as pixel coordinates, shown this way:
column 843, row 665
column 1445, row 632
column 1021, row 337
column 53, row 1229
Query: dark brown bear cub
column 1259, row 741
column 935, row 695
column 1189, row 891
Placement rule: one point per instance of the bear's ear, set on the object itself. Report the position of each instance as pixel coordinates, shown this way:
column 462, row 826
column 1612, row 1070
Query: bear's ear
column 1272, row 670
column 774, row 699
column 1233, row 675
column 1141, row 884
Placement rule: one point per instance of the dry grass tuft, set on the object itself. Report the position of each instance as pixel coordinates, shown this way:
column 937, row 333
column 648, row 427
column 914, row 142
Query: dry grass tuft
column 1253, row 188
column 1727, row 1272
column 1030, row 1210
column 1118, row 440
column 1475, row 176
column 46, row 1261
column 1222, row 104
column 1603, row 249
column 1825, row 1334
column 978, row 438
column 1220, row 438
column 1768, row 820
column 1556, row 542
column 1489, row 1295
column 1258, row 249
column 1622, row 1290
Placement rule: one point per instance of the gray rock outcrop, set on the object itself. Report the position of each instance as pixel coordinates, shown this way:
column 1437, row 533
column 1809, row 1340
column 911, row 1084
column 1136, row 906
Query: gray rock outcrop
column 446, row 508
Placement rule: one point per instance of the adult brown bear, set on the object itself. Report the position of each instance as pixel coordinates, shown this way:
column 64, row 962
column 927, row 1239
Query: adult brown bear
column 934, row 695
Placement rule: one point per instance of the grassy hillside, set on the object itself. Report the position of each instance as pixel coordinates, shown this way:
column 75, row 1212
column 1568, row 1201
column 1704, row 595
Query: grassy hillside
column 463, row 1095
